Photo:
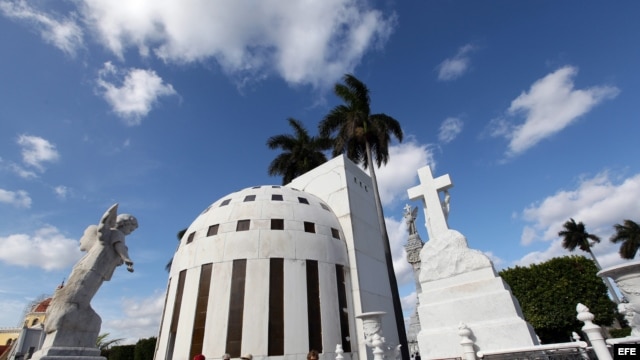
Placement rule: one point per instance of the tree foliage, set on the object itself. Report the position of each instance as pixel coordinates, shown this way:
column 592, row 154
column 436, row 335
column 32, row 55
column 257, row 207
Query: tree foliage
column 120, row 352
column 549, row 292
column 145, row 349
column 575, row 236
column 104, row 343
column 301, row 152
column 362, row 136
column 628, row 233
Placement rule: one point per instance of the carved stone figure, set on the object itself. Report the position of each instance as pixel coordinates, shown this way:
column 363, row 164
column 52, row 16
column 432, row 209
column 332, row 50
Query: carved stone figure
column 410, row 217
column 632, row 317
column 71, row 322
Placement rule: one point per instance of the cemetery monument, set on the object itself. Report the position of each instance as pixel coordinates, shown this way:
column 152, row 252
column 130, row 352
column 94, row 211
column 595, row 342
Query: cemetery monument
column 72, row 326
column 460, row 285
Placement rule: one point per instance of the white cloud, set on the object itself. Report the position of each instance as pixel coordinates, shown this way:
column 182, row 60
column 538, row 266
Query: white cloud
column 22, row 172
column 36, row 151
column 401, row 171
column 598, row 202
column 409, row 304
column 550, row 105
column 141, row 318
column 18, row 198
column 304, row 42
column 454, row 67
column 449, row 129
column 137, row 94
column 65, row 34
column 47, row 248
column 61, row 191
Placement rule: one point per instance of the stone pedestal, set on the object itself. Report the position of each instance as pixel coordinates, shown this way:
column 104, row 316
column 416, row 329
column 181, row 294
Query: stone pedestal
column 460, row 285
column 68, row 353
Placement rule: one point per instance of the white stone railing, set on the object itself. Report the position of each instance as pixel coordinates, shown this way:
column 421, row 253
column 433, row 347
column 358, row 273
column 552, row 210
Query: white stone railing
column 548, row 349
column 624, row 340
column 576, row 349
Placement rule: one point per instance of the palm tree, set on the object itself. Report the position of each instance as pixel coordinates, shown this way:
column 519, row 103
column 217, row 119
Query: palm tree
column 365, row 138
column 576, row 236
column 629, row 234
column 302, row 152
column 103, row 342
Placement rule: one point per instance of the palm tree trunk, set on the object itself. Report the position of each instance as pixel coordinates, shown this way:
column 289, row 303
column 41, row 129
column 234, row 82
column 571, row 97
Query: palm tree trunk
column 606, row 280
column 395, row 294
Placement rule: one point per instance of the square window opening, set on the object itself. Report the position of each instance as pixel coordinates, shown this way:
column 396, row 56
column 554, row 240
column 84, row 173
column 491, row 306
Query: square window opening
column 243, row 225
column 213, row 230
column 191, row 236
column 249, row 198
column 303, row 200
column 309, row 227
column 277, row 224
column 276, row 197
column 335, row 233
column 225, row 202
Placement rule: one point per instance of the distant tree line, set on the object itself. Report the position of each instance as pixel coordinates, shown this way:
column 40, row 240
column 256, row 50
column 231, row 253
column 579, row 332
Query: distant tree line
column 143, row 350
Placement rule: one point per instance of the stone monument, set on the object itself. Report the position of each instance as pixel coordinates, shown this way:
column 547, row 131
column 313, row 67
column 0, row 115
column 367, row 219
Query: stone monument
column 72, row 326
column 460, row 285
column 413, row 247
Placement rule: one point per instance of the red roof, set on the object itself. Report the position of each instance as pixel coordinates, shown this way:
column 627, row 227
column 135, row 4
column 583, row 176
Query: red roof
column 42, row 306
column 4, row 348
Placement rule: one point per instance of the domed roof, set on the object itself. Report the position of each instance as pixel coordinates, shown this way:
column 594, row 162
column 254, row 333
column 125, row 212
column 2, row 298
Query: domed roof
column 42, row 306
column 263, row 222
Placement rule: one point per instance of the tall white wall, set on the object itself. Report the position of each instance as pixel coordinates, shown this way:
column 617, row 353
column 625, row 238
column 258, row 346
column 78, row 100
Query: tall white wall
column 349, row 192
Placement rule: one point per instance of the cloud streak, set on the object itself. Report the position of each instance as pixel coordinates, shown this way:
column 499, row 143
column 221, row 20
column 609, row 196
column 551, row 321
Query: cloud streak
column 450, row 129
column 456, row 66
column 65, row 34
column 19, row 199
column 36, row 151
column 551, row 104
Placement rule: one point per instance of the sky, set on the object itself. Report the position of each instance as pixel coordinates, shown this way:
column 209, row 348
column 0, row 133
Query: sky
column 165, row 107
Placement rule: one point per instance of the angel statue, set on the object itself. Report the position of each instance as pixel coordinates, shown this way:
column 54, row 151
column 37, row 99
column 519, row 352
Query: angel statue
column 410, row 217
column 71, row 322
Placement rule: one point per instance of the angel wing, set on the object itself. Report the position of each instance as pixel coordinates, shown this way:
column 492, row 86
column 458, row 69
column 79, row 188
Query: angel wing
column 107, row 223
column 414, row 213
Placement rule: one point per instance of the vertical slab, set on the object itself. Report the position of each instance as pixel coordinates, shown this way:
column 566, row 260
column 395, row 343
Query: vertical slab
column 218, row 310
column 296, row 333
column 256, row 314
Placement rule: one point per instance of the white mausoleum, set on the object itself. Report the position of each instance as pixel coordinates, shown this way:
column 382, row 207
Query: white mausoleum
column 276, row 271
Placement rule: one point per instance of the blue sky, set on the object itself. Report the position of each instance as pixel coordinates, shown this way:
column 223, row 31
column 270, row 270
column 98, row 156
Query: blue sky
column 164, row 107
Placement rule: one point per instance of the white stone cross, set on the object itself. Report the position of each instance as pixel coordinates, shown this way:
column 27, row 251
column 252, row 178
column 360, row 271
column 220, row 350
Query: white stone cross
column 428, row 190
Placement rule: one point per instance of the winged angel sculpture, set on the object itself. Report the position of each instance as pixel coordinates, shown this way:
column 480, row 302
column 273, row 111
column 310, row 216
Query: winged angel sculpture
column 71, row 322
column 410, row 217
